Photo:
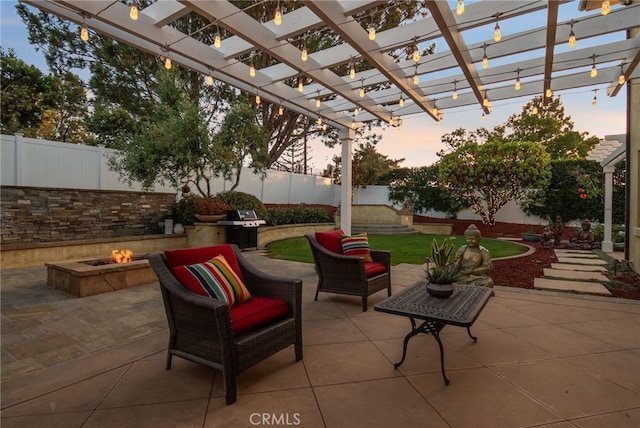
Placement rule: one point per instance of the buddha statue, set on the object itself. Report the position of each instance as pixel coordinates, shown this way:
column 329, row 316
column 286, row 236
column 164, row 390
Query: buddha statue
column 474, row 261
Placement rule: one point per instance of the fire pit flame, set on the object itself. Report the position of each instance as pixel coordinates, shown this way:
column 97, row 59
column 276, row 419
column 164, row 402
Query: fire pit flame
column 121, row 256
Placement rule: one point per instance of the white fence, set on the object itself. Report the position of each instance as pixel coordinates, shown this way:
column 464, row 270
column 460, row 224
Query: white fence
column 41, row 163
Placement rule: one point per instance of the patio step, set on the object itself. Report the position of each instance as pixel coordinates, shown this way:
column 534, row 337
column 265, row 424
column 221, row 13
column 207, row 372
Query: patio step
column 579, row 272
column 383, row 229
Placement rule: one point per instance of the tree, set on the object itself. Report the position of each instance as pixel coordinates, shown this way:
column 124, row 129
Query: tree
column 25, row 95
column 173, row 146
column 575, row 191
column 550, row 127
column 487, row 176
column 368, row 166
column 418, row 189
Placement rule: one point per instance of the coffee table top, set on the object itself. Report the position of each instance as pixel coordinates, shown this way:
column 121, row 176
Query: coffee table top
column 460, row 309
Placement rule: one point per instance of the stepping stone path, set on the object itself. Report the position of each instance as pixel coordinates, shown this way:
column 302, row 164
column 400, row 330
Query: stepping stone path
column 578, row 271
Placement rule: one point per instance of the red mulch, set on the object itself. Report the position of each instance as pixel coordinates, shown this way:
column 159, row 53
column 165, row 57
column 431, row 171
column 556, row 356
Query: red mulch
column 521, row 271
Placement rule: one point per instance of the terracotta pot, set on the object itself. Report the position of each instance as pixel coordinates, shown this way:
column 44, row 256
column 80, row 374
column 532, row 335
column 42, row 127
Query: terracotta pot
column 210, row 218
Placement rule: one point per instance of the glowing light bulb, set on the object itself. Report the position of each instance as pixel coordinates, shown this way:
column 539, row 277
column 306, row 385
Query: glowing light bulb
column 210, row 80
column 483, row 118
column 352, row 72
column 318, row 102
column 361, row 93
column 416, row 54
column 353, row 125
column 167, row 63
column 258, row 100
column 319, row 121
column 485, row 101
column 594, row 101
column 485, row 61
column 280, row 111
column 300, row 87
column 572, row 39
column 460, row 7
column 372, row 32
column 217, row 40
column 621, row 79
column 401, row 102
column 324, row 126
column 437, row 122
column 252, row 71
column 606, row 7
column 548, row 93
column 133, row 11
column 497, row 34
column 278, row 16
column 517, row 85
column 455, row 95
column 534, row 110
column 84, row 33
column 305, row 55
column 416, row 79
column 356, row 111
column 594, row 71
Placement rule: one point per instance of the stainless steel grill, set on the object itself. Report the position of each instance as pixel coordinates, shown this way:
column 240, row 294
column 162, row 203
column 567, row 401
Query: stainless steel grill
column 242, row 228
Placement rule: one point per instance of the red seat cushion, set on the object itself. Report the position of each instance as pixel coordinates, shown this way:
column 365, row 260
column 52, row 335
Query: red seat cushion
column 374, row 268
column 255, row 312
column 190, row 256
column 331, row 240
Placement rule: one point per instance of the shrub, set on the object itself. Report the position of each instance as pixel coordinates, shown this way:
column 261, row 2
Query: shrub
column 185, row 211
column 276, row 216
column 242, row 201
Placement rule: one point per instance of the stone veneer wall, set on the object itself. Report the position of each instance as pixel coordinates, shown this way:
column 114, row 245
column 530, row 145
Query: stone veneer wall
column 35, row 214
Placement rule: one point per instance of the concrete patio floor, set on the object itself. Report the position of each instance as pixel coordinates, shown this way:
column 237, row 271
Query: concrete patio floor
column 543, row 359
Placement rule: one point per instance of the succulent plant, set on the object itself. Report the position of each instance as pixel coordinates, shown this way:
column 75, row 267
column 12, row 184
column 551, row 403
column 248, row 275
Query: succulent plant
column 444, row 271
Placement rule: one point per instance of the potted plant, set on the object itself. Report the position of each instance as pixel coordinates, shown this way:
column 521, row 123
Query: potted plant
column 531, row 236
column 443, row 274
column 209, row 210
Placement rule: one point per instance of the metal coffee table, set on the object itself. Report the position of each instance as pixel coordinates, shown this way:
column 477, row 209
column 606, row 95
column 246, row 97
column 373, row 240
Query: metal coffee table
column 460, row 309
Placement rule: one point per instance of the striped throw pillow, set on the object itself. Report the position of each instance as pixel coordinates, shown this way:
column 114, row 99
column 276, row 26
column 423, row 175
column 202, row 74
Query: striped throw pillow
column 356, row 245
column 213, row 278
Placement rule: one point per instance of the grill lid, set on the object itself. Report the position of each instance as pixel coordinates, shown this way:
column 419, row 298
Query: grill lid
column 240, row 215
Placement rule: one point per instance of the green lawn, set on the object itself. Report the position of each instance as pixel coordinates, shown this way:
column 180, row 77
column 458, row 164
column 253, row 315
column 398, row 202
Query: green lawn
column 404, row 248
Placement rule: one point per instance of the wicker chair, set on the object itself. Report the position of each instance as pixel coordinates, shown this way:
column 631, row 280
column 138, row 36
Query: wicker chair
column 347, row 274
column 201, row 330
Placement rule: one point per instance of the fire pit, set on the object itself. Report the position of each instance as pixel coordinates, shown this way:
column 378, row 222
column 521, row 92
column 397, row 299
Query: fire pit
column 84, row 278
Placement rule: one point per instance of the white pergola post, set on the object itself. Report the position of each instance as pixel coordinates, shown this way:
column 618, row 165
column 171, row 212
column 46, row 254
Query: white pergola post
column 346, row 139
column 607, row 243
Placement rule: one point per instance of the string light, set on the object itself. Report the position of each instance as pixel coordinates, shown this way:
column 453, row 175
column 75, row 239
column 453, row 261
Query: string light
column 217, row 39
column 318, row 102
column 356, row 111
column 300, row 87
column 361, row 93
column 497, row 34
column 304, row 56
column 324, row 127
column 277, row 19
column 455, row 90
column 372, row 32
column 280, row 111
column 534, row 110
column 548, row 93
column 416, row 51
column 605, row 8
column 252, row 70
column 416, row 78
column 485, row 101
column 133, row 11
column 460, row 7
column 167, row 63
column 210, row 80
column 594, row 101
column 517, row 84
column 572, row 36
column 621, row 78
column 352, row 72
column 258, row 100
column 319, row 121
column 484, row 117
column 594, row 69
column 84, row 33
column 401, row 102
column 485, row 60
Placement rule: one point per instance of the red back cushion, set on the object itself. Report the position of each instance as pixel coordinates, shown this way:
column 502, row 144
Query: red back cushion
column 190, row 256
column 331, row 240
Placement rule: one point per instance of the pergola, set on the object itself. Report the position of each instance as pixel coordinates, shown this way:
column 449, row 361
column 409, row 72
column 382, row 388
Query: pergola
column 533, row 55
